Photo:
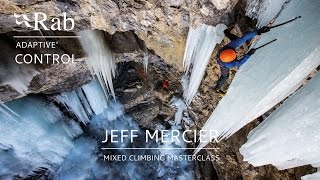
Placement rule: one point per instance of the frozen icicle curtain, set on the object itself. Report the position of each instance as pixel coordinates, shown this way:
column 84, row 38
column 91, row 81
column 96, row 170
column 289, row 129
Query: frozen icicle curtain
column 273, row 72
column 200, row 45
column 100, row 58
column 290, row 136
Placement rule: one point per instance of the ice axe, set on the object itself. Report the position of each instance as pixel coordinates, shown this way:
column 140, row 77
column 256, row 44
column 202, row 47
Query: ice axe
column 264, row 45
column 281, row 24
column 253, row 50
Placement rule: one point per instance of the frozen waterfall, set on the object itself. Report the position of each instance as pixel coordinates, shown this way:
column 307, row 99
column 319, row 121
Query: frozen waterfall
column 61, row 138
column 200, row 45
column 272, row 73
column 290, row 136
column 39, row 137
column 100, row 58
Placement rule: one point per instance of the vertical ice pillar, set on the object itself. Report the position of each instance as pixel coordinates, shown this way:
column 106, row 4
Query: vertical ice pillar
column 273, row 72
column 100, row 58
column 84, row 101
column 93, row 93
column 290, row 136
column 73, row 103
column 200, row 45
column 146, row 62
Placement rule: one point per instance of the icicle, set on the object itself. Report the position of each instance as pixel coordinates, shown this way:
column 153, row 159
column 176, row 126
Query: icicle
column 72, row 102
column 181, row 106
column 145, row 62
column 199, row 47
column 100, row 58
column 95, row 96
column 8, row 112
column 273, row 72
column 290, row 136
column 19, row 78
column 84, row 102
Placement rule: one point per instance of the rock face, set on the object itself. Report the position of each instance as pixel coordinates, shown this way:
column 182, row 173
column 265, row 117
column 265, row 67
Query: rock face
column 132, row 28
column 162, row 25
column 142, row 94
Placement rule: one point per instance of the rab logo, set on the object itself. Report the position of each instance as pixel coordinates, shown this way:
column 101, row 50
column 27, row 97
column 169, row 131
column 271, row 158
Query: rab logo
column 40, row 18
column 25, row 21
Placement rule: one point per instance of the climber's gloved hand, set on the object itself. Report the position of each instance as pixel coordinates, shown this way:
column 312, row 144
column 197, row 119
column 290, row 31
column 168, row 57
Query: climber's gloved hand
column 252, row 51
column 263, row 30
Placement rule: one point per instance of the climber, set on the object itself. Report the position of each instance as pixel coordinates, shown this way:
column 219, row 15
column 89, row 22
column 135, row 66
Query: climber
column 165, row 84
column 227, row 56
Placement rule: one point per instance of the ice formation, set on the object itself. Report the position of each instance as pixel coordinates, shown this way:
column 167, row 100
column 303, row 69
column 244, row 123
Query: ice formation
column 265, row 11
column 80, row 161
column 146, row 62
column 314, row 176
column 18, row 76
column 289, row 137
column 38, row 140
column 93, row 93
column 100, row 58
column 50, row 132
column 181, row 107
column 86, row 150
column 199, row 47
column 273, row 72
column 72, row 102
column 167, row 166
